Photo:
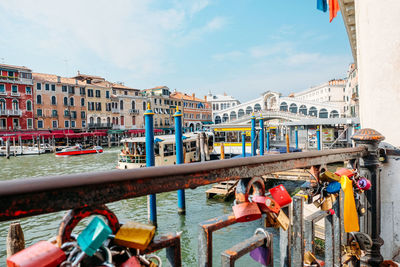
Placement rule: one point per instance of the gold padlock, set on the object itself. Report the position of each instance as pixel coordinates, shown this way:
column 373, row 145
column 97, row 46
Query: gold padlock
column 328, row 202
column 135, row 235
column 282, row 220
column 270, row 221
column 328, row 176
column 309, row 258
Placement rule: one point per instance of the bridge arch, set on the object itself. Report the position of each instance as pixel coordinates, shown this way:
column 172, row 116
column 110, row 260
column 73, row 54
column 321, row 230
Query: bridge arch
column 313, row 111
column 225, row 118
column 249, row 110
column 323, row 113
column 293, row 108
column 257, row 107
column 217, row 119
column 303, row 110
column 334, row 114
column 232, row 116
column 283, row 106
column 240, row 113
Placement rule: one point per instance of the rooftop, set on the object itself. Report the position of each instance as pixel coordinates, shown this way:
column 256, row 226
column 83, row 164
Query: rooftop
column 179, row 95
column 12, row 67
column 54, row 79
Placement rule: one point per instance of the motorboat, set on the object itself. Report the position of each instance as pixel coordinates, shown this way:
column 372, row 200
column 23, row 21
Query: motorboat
column 78, row 150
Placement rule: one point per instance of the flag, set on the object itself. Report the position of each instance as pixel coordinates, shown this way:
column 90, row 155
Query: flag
column 333, row 9
column 322, row 5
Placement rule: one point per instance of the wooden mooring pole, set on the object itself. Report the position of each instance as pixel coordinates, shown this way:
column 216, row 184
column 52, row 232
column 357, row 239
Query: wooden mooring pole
column 15, row 239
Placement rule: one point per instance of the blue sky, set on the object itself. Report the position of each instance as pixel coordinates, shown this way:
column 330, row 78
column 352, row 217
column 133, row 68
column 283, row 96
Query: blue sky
column 241, row 47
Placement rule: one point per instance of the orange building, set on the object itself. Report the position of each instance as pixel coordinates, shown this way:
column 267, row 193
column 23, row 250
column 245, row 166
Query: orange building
column 59, row 102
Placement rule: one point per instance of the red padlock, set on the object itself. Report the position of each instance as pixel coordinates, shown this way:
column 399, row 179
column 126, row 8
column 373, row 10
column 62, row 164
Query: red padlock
column 266, row 204
column 344, row 171
column 246, row 211
column 363, row 184
column 132, row 262
column 42, row 253
column 280, row 195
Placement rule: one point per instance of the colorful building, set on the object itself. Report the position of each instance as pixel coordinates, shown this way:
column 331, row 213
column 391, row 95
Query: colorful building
column 16, row 99
column 196, row 111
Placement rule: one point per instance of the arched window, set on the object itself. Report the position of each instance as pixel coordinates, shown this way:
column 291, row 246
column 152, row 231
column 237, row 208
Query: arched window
column 2, row 104
column 257, row 107
column 53, row 100
column 283, row 106
column 144, row 105
column 249, row 110
column 133, row 104
column 313, row 111
column 65, row 101
column 323, row 113
column 121, row 105
column 240, row 113
column 39, row 99
column 293, row 108
column 225, row 117
column 303, row 110
column 217, row 119
column 91, row 120
column 15, row 105
column 334, row 114
column 232, row 116
column 71, row 102
column 82, row 102
column 98, row 120
column 108, row 120
column 28, row 105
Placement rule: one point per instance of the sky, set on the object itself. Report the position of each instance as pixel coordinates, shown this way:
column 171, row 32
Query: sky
column 241, row 47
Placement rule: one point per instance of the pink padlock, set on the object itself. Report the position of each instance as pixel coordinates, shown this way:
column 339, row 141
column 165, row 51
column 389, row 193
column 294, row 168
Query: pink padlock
column 364, row 184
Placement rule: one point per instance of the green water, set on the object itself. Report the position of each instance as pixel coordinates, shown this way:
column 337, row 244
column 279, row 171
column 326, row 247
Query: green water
column 198, row 207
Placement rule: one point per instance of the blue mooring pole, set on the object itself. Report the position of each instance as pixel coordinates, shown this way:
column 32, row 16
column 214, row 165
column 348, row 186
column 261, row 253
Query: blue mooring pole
column 268, row 139
column 149, row 132
column 262, row 136
column 243, row 144
column 253, row 135
column 179, row 157
column 318, row 138
column 296, row 137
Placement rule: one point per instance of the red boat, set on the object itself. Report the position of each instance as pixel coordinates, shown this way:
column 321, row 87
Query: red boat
column 77, row 150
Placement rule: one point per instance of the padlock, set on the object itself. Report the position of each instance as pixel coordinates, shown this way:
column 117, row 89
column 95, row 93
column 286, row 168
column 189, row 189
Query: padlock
column 270, row 220
column 246, row 211
column 135, row 235
column 145, row 260
column 108, row 257
column 280, row 195
column 361, row 209
column 333, row 188
column 266, row 204
column 132, row 262
column 327, row 204
column 263, row 254
column 343, row 171
column 93, row 236
column 282, row 220
column 328, row 176
column 42, row 253
column 363, row 183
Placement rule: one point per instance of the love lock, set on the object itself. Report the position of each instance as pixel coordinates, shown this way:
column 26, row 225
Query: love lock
column 263, row 254
column 135, row 235
column 280, row 195
column 244, row 210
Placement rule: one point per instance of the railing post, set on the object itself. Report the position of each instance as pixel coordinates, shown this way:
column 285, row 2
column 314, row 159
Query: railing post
column 179, row 157
column 369, row 167
column 268, row 138
column 296, row 137
column 243, row 144
column 149, row 132
column 253, row 135
column 297, row 251
column 318, row 138
column 261, row 136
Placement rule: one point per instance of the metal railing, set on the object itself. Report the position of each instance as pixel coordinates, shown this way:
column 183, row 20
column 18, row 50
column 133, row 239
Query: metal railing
column 134, row 111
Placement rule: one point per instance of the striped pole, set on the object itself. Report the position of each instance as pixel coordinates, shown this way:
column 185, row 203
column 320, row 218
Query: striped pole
column 318, row 138
column 179, row 157
column 253, row 135
column 296, row 136
column 243, row 144
column 261, row 135
column 268, row 137
column 149, row 132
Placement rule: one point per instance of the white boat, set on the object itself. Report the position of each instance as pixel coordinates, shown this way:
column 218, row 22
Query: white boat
column 26, row 150
column 133, row 154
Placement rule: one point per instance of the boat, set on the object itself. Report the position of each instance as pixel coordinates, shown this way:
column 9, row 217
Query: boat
column 78, row 150
column 133, row 153
column 26, row 150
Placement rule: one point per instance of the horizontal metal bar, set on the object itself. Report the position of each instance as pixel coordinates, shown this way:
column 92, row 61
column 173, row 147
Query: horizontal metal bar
column 26, row 197
column 172, row 243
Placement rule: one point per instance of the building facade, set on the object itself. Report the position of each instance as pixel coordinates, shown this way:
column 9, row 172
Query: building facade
column 162, row 106
column 196, row 111
column 351, row 92
column 221, row 102
column 16, row 98
column 60, row 103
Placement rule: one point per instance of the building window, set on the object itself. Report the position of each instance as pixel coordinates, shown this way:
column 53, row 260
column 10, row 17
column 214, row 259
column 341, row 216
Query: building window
column 83, row 114
column 28, row 90
column 107, row 94
column 82, row 102
column 83, row 124
column 38, row 86
column 98, row 93
column 53, row 87
column 73, row 114
column 2, row 104
column 98, row 106
column 53, row 100
column 65, row 101
column 15, row 105
column 125, row 92
column 39, row 112
column 73, row 124
column 66, row 124
column 82, row 91
column 29, row 123
column 54, row 113
column 66, row 113
column 38, row 99
column 2, row 89
column 144, row 105
column 29, row 105
column 90, row 92
column 14, row 89
column 71, row 89
column 10, row 74
column 64, row 88
column 121, row 105
column 55, row 124
column 71, row 102
column 40, row 124
column 47, row 86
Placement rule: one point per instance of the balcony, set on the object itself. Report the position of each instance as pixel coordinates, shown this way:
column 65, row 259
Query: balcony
column 54, row 115
column 100, row 125
column 15, row 94
column 115, row 110
column 12, row 112
column 134, row 111
column 3, row 112
column 3, row 93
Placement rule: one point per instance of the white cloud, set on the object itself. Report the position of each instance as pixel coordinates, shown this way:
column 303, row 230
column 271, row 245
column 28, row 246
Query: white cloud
column 215, row 24
column 233, row 55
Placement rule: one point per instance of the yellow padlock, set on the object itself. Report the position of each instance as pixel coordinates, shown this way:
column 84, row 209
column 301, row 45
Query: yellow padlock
column 328, row 176
column 135, row 235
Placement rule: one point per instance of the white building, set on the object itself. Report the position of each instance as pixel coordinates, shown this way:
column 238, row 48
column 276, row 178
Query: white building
column 332, row 92
column 221, row 102
column 351, row 92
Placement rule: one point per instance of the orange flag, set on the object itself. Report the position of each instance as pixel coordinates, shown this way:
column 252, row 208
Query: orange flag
column 333, row 9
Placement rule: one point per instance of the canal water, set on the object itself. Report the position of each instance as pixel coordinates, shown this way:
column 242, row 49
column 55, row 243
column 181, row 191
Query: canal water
column 198, row 208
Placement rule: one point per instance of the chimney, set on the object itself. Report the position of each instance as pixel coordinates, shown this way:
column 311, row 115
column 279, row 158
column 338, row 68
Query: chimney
column 58, row 79
column 193, row 95
column 205, row 98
